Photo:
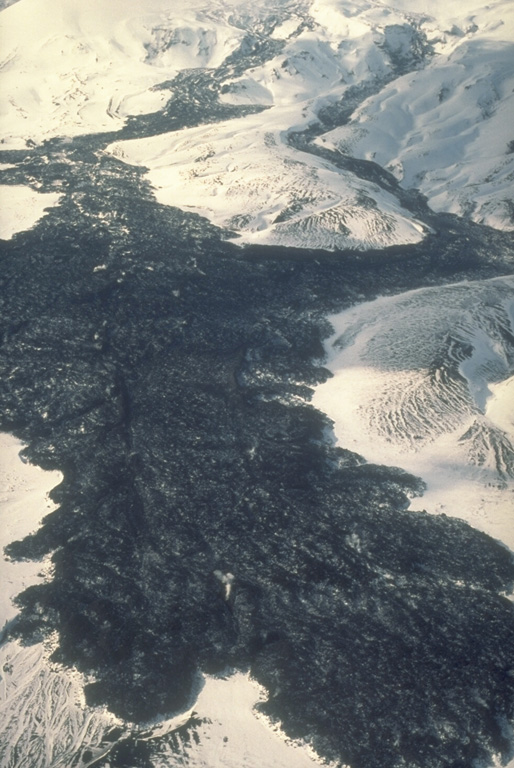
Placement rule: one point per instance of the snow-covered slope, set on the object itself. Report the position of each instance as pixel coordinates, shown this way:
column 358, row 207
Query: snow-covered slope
column 21, row 207
column 23, row 503
column 430, row 93
column 76, row 67
column 424, row 381
column 439, row 120
column 447, row 128
column 243, row 178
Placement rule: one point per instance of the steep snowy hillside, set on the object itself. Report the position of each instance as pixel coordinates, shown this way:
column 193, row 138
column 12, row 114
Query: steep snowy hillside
column 446, row 129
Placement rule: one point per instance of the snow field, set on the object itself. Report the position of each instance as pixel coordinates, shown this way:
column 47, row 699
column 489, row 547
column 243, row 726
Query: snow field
column 231, row 735
column 431, row 408
column 243, row 178
column 73, row 67
column 21, row 208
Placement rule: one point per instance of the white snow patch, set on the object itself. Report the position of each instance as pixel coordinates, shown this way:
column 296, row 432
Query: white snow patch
column 407, row 392
column 245, row 178
column 23, row 503
column 231, row 734
column 21, row 207
column 286, row 29
column 227, row 580
column 500, row 405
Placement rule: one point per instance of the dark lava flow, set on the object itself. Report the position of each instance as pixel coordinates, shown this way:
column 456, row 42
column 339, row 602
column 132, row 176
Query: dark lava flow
column 167, row 373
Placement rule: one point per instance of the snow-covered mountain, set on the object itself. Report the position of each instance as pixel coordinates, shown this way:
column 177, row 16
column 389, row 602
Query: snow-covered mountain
column 446, row 128
column 426, row 95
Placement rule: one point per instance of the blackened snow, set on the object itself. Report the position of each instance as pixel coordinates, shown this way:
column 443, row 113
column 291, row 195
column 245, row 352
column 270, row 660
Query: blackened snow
column 167, row 373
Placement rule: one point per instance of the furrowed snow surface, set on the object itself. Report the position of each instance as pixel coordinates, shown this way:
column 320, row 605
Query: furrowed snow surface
column 425, row 381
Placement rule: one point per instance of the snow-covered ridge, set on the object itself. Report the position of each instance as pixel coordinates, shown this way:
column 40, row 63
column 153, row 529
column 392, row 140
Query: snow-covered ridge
column 71, row 68
column 244, row 178
column 243, row 175
column 425, row 381
column 438, row 111
column 446, row 129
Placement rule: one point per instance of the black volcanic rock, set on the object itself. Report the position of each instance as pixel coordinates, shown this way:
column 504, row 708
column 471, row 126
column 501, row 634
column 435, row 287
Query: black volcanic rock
column 167, row 374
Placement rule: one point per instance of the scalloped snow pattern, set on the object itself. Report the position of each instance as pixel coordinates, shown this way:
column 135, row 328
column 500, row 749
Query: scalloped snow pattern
column 425, row 381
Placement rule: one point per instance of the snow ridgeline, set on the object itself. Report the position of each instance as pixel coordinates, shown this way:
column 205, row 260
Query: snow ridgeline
column 44, row 720
column 445, row 129
column 428, row 95
column 425, row 381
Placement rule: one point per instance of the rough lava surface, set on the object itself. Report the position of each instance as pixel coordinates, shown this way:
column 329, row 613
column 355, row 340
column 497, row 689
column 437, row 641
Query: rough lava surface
column 218, row 219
